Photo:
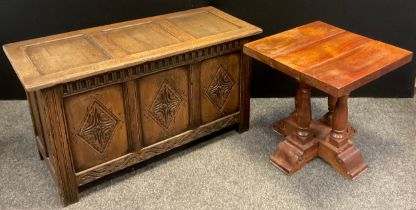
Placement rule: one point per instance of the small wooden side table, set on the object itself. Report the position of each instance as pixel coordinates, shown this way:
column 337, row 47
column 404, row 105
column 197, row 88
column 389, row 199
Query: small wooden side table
column 337, row 62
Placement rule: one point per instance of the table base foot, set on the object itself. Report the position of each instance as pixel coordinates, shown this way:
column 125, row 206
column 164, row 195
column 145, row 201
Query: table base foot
column 347, row 160
column 290, row 156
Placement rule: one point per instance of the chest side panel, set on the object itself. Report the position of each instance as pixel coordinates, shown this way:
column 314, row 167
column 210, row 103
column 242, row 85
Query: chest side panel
column 220, row 85
column 164, row 104
column 97, row 126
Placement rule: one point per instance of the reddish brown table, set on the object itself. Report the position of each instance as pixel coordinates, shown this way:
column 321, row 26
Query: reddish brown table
column 337, row 62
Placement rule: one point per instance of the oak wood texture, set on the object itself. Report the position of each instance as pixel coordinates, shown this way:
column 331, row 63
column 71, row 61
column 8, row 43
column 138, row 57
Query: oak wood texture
column 129, row 159
column 300, row 146
column 62, row 163
column 154, row 90
column 105, row 98
column 222, row 72
column 328, row 58
column 337, row 62
column 47, row 61
column 83, row 114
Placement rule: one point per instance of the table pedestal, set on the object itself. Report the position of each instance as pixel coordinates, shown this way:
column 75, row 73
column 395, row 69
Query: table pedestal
column 329, row 138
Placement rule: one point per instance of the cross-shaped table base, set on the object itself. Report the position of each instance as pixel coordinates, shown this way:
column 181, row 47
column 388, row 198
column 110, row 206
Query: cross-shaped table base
column 329, row 138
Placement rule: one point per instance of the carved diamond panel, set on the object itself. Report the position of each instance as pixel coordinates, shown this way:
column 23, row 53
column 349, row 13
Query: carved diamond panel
column 165, row 105
column 98, row 126
column 220, row 87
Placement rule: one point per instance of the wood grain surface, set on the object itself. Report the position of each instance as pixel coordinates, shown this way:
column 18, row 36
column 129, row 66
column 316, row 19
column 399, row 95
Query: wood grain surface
column 105, row 98
column 47, row 61
column 328, row 58
column 96, row 126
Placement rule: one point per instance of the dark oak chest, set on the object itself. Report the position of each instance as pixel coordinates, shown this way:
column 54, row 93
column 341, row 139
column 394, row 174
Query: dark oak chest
column 108, row 97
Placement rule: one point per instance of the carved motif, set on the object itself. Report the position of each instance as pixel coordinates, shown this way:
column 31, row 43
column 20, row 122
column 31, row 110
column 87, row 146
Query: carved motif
column 139, row 156
column 165, row 105
column 98, row 126
column 220, row 87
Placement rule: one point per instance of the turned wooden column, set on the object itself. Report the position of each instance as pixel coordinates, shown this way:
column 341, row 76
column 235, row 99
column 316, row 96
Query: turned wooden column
column 300, row 146
column 338, row 135
column 297, row 99
column 327, row 118
column 337, row 149
column 295, row 123
column 303, row 112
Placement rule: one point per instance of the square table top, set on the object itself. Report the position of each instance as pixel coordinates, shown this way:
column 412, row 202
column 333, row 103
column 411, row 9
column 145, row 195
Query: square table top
column 328, row 58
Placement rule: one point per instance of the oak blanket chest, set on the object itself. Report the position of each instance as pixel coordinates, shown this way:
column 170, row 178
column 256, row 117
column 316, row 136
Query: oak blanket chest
column 105, row 98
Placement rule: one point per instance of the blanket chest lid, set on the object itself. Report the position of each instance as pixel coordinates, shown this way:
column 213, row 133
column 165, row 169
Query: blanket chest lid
column 56, row 59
